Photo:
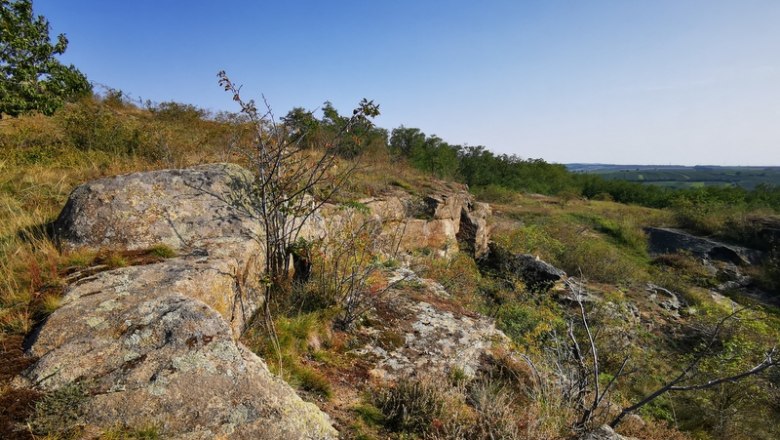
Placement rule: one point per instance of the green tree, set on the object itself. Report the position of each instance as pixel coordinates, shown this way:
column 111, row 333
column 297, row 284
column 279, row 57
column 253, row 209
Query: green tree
column 31, row 78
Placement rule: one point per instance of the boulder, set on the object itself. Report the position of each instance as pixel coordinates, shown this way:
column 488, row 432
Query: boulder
column 442, row 223
column 204, row 207
column 204, row 213
column 474, row 233
column 157, row 343
column 149, row 353
column 667, row 240
column 431, row 335
column 535, row 273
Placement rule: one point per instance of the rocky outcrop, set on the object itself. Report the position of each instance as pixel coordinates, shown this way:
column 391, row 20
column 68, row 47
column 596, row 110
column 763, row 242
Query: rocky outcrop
column 200, row 208
column 535, row 273
column 667, row 240
column 665, row 298
column 425, row 333
column 157, row 344
column 442, row 223
column 151, row 355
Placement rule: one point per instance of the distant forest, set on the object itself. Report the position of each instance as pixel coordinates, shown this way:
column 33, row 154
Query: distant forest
column 478, row 167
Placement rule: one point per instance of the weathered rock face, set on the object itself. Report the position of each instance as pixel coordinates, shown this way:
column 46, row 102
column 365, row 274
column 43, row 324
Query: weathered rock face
column 202, row 212
column 535, row 273
column 441, row 223
column 195, row 208
column 149, row 354
column 430, row 337
column 666, row 240
column 157, row 343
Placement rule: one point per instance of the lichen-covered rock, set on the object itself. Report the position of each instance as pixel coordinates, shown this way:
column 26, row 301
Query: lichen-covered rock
column 150, row 353
column 156, row 344
column 203, row 212
column 431, row 337
column 441, row 223
column 195, row 208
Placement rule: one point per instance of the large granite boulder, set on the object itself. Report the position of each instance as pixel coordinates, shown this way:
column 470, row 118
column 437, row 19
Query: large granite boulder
column 201, row 207
column 148, row 353
column 157, row 343
column 204, row 213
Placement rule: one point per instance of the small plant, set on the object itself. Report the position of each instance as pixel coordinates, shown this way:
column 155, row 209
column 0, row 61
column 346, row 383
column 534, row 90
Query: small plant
column 412, row 404
column 162, row 251
column 313, row 381
column 59, row 412
column 147, row 432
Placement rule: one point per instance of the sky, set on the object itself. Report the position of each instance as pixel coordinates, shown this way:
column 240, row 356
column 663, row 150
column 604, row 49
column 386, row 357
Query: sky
column 622, row 81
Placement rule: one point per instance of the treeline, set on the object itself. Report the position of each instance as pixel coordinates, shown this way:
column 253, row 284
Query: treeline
column 479, row 167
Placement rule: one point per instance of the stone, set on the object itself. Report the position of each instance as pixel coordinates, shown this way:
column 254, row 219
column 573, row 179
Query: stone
column 434, row 338
column 157, row 343
column 665, row 298
column 150, row 353
column 202, row 212
column 604, row 432
column 474, row 233
column 535, row 273
column 204, row 207
column 668, row 240
column 442, row 223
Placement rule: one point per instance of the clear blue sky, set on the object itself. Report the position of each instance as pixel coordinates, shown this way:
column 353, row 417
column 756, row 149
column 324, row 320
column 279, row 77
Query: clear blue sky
column 621, row 81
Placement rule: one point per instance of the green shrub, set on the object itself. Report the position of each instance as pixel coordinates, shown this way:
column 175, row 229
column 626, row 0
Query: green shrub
column 162, row 251
column 516, row 320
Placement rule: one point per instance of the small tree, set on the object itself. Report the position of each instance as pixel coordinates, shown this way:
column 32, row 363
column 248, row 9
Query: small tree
column 31, row 78
column 286, row 176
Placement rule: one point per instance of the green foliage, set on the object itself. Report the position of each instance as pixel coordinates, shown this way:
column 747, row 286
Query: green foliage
column 162, row 251
column 32, row 78
column 623, row 231
column 516, row 320
column 149, row 432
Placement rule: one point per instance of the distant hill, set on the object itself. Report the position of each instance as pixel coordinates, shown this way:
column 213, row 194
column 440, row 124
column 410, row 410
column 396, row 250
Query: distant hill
column 680, row 176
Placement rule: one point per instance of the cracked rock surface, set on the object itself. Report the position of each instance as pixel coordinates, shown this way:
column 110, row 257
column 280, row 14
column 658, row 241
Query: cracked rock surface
column 157, row 344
